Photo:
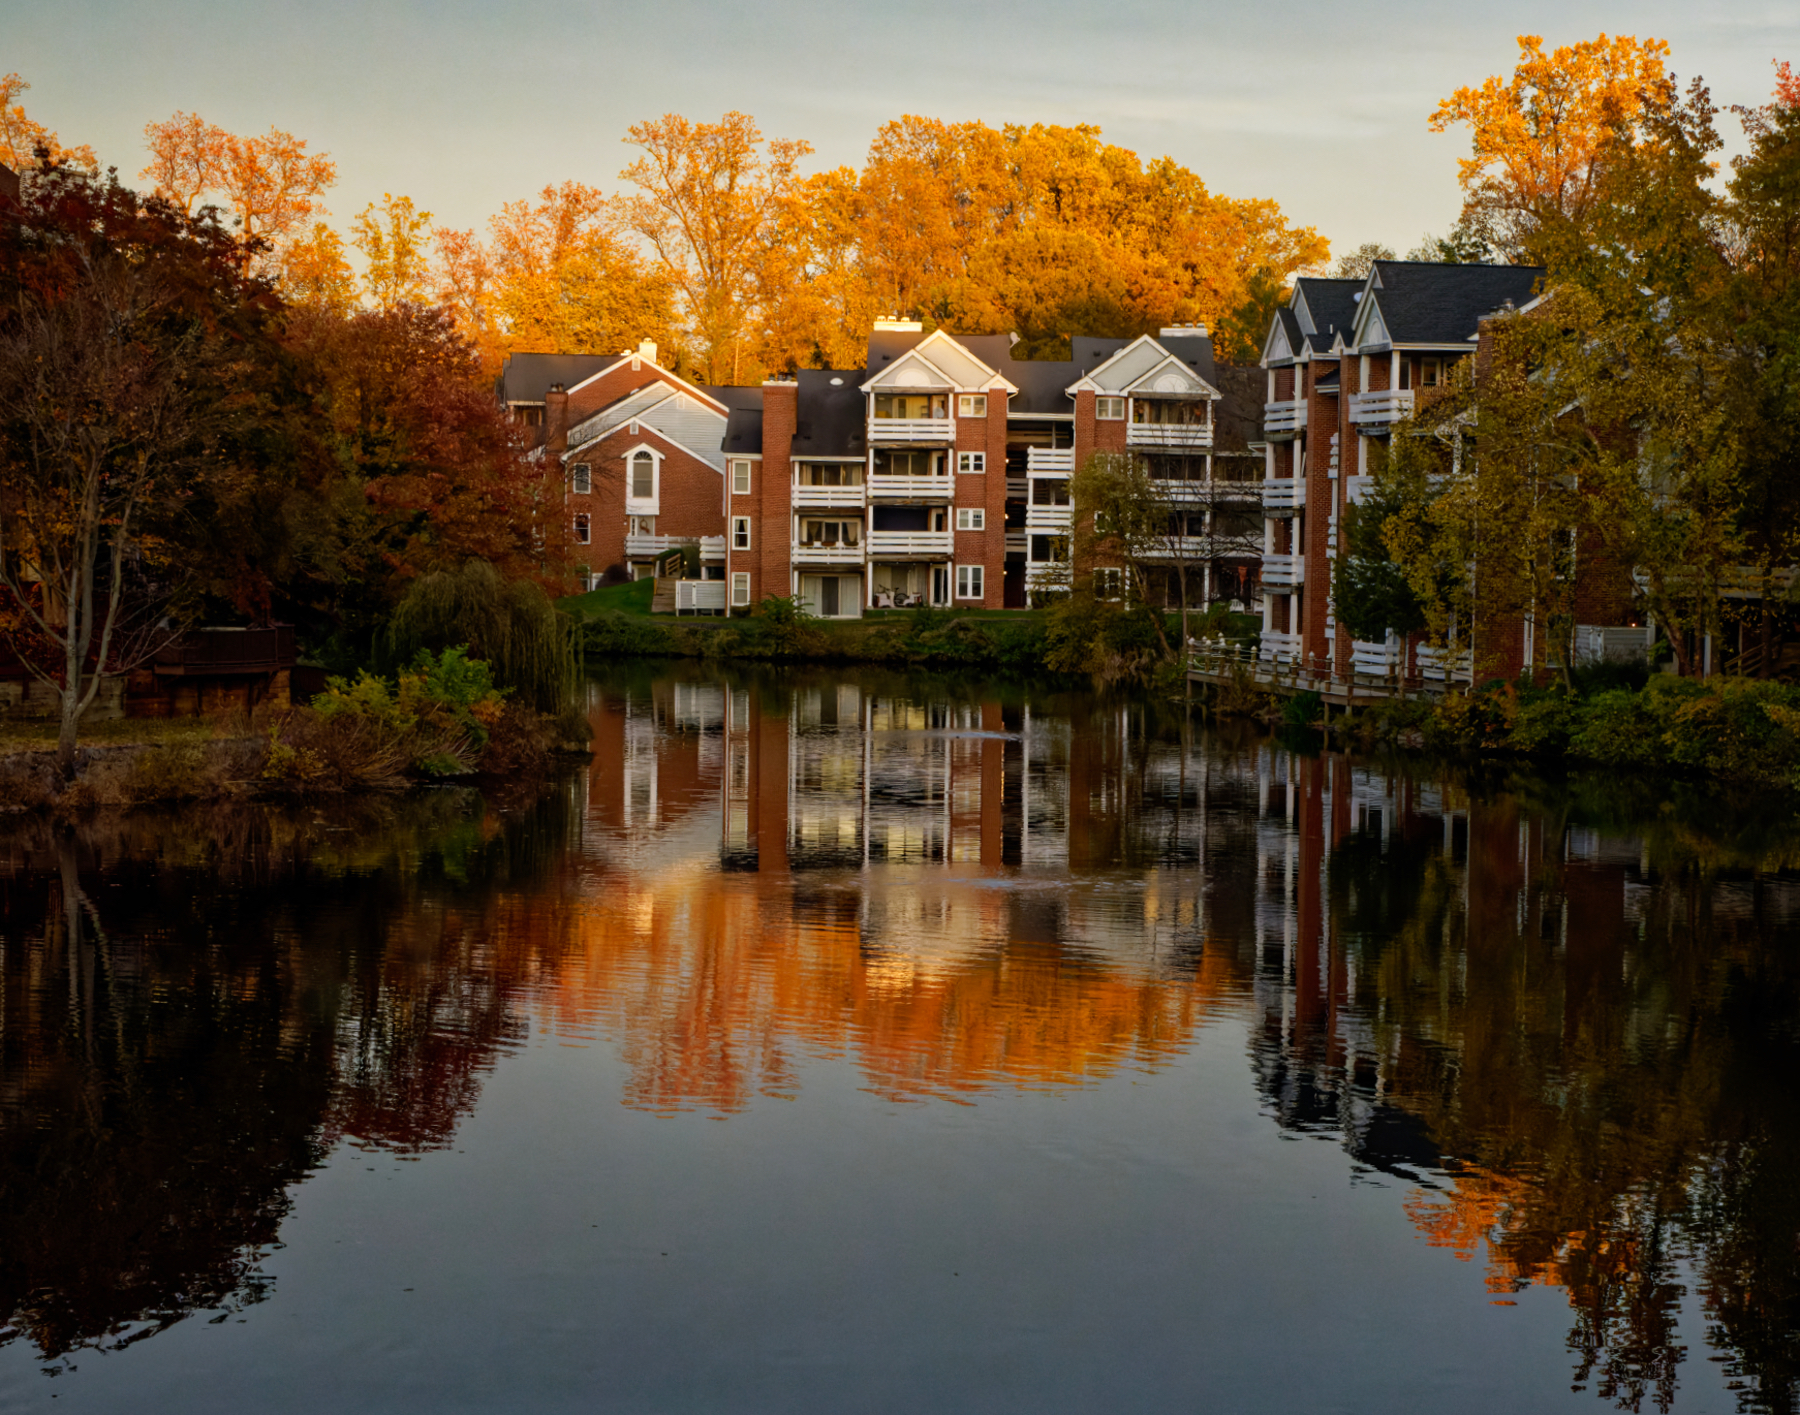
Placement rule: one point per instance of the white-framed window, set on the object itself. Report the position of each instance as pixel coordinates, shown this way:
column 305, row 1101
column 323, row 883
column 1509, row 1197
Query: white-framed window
column 740, row 532
column 583, row 531
column 643, row 476
column 740, row 589
column 740, row 477
column 581, row 478
column 1109, row 410
column 1433, row 372
column 1109, row 582
column 971, row 463
column 971, row 405
column 968, row 581
column 971, row 518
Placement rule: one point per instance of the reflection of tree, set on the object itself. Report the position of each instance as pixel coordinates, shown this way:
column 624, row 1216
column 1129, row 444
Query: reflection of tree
column 1607, row 1084
column 182, row 1046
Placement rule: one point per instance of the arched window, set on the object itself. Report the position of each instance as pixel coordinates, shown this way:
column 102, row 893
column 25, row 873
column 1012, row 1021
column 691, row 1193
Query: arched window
column 643, row 476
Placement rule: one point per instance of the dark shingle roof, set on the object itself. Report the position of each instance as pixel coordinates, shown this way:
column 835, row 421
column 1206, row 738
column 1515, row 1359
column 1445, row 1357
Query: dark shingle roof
column 526, row 378
column 1442, row 304
column 1194, row 350
column 733, row 395
column 743, row 431
column 830, row 419
column 1332, row 304
column 1290, row 326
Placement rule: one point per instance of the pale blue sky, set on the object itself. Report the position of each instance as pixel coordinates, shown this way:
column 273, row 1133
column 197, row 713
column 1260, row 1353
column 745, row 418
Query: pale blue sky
column 465, row 105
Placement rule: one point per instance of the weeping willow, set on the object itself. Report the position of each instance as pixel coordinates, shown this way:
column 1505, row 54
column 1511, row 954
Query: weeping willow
column 528, row 645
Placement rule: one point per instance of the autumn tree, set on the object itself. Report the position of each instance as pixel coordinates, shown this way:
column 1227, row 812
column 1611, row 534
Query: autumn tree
column 710, row 200
column 315, row 272
column 130, row 348
column 391, row 235
column 269, row 184
column 1356, row 264
column 1537, row 135
column 22, row 139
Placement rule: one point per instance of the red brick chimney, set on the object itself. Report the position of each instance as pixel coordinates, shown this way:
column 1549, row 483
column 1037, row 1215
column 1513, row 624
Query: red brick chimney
column 773, row 534
column 556, row 420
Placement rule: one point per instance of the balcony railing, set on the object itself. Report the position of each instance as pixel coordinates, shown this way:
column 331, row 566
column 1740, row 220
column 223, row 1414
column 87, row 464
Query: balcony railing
column 1188, row 436
column 1283, row 496
column 1284, row 420
column 209, row 652
column 914, row 545
column 1017, row 542
column 1357, row 489
column 642, row 547
column 912, row 430
column 911, row 488
column 1049, row 459
column 828, row 495
column 1049, row 520
column 1381, row 408
column 1179, row 548
column 1279, row 648
column 827, row 554
column 712, row 550
column 1017, row 488
column 1283, row 573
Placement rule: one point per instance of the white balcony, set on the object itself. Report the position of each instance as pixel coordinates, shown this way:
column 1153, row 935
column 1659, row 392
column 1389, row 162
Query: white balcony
column 1185, row 493
column 1285, row 420
column 1373, row 660
column 1049, row 520
column 891, row 431
column 1229, row 489
column 827, row 555
column 1382, row 408
column 1018, row 543
column 829, row 496
column 641, row 547
column 1358, row 489
column 712, row 550
column 911, row 545
column 1049, row 459
column 911, row 488
column 1047, row 575
column 1185, row 437
column 1279, row 648
column 1437, row 666
column 1283, row 496
column 1283, row 574
column 1017, row 488
column 1181, row 548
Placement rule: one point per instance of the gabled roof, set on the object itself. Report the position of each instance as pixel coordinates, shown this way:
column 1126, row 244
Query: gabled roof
column 681, row 417
column 1433, row 305
column 1324, row 307
column 743, row 432
column 1285, row 338
column 638, row 360
column 526, row 378
column 942, row 358
column 1145, row 365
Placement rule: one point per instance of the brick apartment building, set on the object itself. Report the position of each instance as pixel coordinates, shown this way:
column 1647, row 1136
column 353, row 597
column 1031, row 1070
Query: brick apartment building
column 936, row 474
column 1346, row 360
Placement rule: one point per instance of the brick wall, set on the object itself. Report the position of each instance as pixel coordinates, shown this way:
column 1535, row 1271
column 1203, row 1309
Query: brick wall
column 771, row 561
column 688, row 496
column 986, row 547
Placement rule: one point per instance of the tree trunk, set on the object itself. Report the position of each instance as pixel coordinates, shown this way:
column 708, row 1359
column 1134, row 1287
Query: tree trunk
column 66, row 733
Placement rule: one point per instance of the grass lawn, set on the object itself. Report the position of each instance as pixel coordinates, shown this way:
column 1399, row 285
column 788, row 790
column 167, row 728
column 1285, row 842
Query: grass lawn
column 40, row 736
column 634, row 598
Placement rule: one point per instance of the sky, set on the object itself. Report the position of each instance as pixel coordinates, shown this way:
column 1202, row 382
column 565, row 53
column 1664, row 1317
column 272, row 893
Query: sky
column 464, row 105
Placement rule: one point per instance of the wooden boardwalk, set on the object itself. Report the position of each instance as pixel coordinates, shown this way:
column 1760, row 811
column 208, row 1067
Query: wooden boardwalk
column 1211, row 664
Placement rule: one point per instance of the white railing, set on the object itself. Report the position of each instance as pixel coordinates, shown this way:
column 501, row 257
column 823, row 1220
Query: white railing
column 1049, row 459
column 1017, row 542
column 699, row 594
column 827, row 554
column 1282, row 496
column 1184, row 435
column 884, row 545
column 828, row 495
column 1373, row 659
column 1049, row 520
column 1279, row 648
column 1047, row 575
column 1284, row 420
column 1357, row 489
column 712, row 550
column 1437, row 666
column 1178, row 548
column 1239, row 489
column 1184, row 492
column 642, row 546
column 912, row 430
column 1018, row 488
column 911, row 486
column 1283, row 572
column 1385, row 405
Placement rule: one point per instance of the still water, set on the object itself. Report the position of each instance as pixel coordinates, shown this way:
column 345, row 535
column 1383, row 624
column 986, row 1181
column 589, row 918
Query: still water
column 862, row 1043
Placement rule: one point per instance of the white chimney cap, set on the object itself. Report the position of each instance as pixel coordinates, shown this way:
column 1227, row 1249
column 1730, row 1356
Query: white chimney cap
column 900, row 326
column 647, row 350
column 1183, row 331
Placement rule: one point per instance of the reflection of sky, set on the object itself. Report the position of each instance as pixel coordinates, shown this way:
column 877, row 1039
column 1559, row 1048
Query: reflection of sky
column 465, row 106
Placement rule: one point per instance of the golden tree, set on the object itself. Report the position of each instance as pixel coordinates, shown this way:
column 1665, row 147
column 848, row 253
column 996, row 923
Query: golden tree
column 269, row 184
column 315, row 272
column 1537, row 135
column 391, row 235
column 22, row 138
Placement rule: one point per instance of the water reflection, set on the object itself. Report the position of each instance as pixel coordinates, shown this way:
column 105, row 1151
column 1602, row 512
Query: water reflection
column 1560, row 1021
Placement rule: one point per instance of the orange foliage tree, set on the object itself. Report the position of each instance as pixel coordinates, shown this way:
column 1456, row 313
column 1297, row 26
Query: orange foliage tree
column 1538, row 136
column 270, row 184
column 21, row 138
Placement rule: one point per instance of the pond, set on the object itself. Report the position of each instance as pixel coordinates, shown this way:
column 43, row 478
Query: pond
column 851, row 1041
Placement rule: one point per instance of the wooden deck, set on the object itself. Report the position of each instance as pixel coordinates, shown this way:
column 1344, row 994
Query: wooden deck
column 1210, row 665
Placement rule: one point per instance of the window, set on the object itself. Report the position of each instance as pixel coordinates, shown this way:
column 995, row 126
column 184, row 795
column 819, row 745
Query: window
column 971, row 405
column 531, row 414
column 906, row 464
column 581, row 478
column 740, row 532
column 828, row 474
column 1049, row 550
column 740, row 478
column 971, row 463
column 1405, row 373
column 643, row 476
column 1049, row 491
column 583, row 532
column 912, row 405
column 1166, row 411
column 1433, row 372
column 1109, row 583
column 740, row 589
column 971, row 519
column 830, row 533
column 1109, row 410
column 968, row 581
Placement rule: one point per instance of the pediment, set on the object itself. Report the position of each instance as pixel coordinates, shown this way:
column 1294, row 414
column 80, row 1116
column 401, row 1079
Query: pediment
column 1276, row 346
column 1171, row 377
column 912, row 370
column 965, row 370
column 1302, row 312
column 1371, row 329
